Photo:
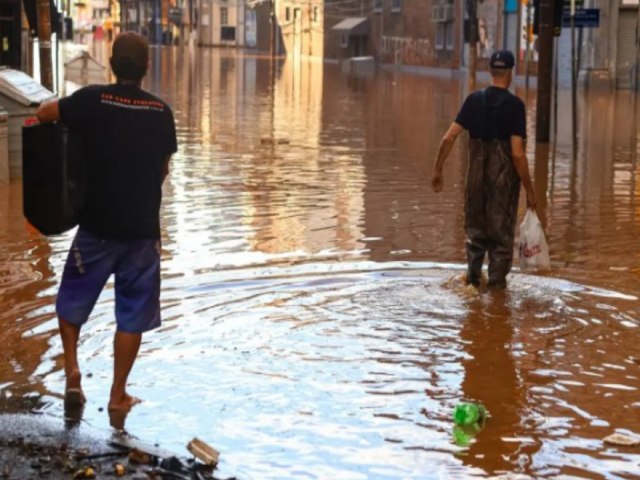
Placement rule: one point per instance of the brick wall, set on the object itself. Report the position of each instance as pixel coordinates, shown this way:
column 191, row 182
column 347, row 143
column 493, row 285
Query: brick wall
column 408, row 37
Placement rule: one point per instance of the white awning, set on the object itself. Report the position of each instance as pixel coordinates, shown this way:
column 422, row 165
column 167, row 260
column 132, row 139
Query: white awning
column 353, row 26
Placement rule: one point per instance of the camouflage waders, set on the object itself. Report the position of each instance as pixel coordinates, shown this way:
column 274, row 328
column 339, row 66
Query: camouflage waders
column 491, row 207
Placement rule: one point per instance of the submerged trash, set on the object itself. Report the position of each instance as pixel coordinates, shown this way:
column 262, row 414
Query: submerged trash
column 119, row 470
column 463, row 435
column 469, row 419
column 139, row 457
column 86, row 472
column 469, row 413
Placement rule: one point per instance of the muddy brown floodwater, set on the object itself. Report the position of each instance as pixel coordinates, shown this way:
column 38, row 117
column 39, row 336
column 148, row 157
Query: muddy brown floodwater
column 314, row 326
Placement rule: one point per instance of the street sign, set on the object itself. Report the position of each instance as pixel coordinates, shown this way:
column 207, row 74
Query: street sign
column 585, row 17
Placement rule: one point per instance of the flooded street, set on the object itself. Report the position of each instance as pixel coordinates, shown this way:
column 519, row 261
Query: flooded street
column 314, row 322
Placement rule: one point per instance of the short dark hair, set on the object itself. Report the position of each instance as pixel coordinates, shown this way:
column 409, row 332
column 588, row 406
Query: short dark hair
column 130, row 56
column 499, row 72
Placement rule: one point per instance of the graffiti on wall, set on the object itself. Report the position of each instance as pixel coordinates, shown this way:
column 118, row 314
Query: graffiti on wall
column 407, row 50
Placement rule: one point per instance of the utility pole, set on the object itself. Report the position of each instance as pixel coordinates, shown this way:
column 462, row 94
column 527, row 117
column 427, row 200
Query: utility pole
column 272, row 32
column 472, row 14
column 527, row 63
column 44, row 41
column 545, row 70
column 574, row 84
column 637, row 83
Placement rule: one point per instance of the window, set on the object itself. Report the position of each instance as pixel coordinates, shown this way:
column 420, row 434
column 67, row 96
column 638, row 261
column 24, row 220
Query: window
column 449, row 37
column 287, row 14
column 315, row 14
column 377, row 6
column 228, row 34
column 344, row 43
column 224, row 16
column 445, row 36
column 396, row 5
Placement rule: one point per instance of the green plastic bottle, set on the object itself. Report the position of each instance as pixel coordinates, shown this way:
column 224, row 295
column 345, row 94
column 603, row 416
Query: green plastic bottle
column 469, row 413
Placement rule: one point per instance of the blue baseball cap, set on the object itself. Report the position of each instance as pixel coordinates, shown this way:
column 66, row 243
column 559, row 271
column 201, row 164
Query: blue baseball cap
column 502, row 59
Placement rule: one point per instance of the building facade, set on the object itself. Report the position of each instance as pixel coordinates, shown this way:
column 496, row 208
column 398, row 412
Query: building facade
column 221, row 23
column 432, row 34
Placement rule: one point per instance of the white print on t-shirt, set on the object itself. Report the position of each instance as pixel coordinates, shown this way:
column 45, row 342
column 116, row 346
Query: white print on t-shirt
column 131, row 103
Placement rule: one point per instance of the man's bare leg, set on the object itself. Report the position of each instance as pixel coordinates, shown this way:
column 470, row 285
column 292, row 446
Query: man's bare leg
column 69, row 333
column 125, row 351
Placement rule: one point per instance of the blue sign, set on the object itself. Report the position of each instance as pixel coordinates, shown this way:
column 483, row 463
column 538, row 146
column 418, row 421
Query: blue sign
column 585, row 17
column 511, row 6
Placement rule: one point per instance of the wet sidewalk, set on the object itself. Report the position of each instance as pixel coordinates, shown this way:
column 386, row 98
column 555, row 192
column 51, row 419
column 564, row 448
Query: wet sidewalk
column 41, row 446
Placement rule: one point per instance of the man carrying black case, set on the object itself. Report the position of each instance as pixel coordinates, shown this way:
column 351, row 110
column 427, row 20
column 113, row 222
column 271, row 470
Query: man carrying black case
column 128, row 137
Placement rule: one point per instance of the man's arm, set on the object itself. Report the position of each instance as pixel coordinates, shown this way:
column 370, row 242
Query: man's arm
column 165, row 168
column 446, row 144
column 48, row 112
column 522, row 166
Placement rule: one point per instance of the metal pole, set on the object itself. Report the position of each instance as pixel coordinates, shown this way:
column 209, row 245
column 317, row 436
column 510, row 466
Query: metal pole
column 637, row 82
column 574, row 84
column 473, row 43
column 273, row 32
column 545, row 71
column 44, row 43
column 556, row 72
column 527, row 54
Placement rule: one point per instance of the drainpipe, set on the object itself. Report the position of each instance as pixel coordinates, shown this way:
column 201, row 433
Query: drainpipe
column 637, row 79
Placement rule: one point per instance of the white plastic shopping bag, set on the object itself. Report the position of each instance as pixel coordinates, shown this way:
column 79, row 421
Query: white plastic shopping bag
column 534, row 252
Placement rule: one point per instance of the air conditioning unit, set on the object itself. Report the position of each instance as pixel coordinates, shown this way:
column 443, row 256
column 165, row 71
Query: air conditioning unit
column 437, row 13
column 447, row 13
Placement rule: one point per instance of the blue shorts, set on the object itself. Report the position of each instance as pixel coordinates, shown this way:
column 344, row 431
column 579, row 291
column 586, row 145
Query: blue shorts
column 92, row 260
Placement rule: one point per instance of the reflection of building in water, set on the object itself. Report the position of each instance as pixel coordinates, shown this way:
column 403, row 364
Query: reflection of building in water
column 306, row 191
column 257, row 144
column 491, row 378
column 406, row 117
column 26, row 279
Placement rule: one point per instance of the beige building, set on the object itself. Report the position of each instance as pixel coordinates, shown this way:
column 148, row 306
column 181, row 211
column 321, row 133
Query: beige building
column 301, row 28
column 221, row 23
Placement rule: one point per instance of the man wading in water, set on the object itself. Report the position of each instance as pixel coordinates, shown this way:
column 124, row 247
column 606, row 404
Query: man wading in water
column 496, row 123
column 129, row 137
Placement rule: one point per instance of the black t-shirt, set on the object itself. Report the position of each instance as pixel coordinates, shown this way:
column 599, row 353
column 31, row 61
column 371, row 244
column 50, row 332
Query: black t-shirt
column 497, row 116
column 127, row 134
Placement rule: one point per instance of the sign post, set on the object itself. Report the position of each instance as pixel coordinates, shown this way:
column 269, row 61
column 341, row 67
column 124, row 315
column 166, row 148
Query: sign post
column 574, row 83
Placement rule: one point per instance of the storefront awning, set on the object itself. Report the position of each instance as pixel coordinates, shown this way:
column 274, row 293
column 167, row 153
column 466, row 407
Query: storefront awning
column 352, row 26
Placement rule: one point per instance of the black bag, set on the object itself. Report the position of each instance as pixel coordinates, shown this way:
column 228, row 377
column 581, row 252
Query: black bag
column 52, row 176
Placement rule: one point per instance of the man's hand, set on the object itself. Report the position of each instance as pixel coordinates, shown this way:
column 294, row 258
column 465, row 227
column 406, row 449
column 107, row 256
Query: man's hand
column 436, row 181
column 48, row 112
column 446, row 144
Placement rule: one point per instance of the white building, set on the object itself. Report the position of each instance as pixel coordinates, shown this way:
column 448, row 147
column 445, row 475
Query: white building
column 221, row 23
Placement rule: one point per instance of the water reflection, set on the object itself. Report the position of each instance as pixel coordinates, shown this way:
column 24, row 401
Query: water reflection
column 307, row 331
column 491, row 378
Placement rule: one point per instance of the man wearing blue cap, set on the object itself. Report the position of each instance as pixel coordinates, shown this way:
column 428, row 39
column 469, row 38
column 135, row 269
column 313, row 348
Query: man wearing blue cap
column 496, row 122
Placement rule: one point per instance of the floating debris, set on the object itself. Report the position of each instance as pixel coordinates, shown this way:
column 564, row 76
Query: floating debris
column 203, row 452
column 622, row 440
